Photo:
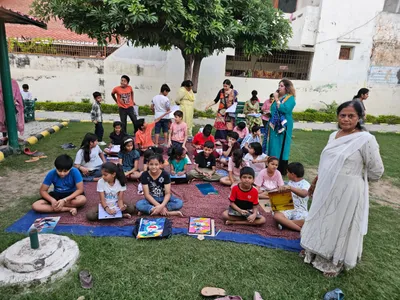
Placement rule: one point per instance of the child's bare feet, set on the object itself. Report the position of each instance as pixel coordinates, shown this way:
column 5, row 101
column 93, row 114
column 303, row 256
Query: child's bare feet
column 127, row 216
column 139, row 213
column 191, row 180
column 175, row 213
column 227, row 222
column 73, row 211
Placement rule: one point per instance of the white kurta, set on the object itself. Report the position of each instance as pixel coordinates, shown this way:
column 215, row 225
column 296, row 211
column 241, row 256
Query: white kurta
column 333, row 232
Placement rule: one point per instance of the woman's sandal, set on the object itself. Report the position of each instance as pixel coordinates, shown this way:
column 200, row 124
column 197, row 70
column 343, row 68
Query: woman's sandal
column 86, row 279
column 212, row 292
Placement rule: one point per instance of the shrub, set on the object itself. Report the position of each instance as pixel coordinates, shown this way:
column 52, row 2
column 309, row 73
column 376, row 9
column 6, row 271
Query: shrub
column 330, row 108
column 311, row 110
column 314, row 117
column 85, row 100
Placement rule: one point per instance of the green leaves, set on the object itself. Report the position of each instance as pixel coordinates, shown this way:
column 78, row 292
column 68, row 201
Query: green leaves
column 194, row 26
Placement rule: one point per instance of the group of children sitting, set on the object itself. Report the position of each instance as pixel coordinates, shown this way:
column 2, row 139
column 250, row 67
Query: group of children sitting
column 251, row 174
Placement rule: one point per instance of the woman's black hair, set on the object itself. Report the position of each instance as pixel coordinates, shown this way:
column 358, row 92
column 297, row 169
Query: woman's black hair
column 256, row 147
column 272, row 95
column 112, row 168
column 187, row 83
column 357, row 107
column 254, row 95
column 176, row 152
column 228, row 82
column 85, row 146
column 237, row 158
column 126, row 140
column 362, row 91
column 207, row 130
column 241, row 125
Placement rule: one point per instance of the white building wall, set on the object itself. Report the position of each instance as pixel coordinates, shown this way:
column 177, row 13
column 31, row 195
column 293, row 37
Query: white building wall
column 63, row 79
column 338, row 20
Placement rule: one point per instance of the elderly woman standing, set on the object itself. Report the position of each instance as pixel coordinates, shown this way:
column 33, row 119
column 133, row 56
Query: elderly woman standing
column 226, row 97
column 333, row 233
column 185, row 100
column 281, row 124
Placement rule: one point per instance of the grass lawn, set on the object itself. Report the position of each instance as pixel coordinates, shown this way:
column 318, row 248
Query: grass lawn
column 178, row 268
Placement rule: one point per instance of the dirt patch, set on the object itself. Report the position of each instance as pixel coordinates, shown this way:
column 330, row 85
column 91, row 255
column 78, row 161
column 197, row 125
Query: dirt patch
column 17, row 184
column 382, row 191
column 385, row 193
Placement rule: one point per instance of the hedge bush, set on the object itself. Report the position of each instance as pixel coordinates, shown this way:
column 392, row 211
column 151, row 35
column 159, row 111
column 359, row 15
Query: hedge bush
column 309, row 115
column 107, row 108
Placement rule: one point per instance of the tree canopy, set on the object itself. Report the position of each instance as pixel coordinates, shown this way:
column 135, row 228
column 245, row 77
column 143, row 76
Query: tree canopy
column 197, row 27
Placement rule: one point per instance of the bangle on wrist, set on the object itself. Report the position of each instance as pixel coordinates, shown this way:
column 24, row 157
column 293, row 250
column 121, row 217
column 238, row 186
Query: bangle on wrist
column 106, row 207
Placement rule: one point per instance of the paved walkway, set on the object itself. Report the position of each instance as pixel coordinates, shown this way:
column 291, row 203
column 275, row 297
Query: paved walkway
column 115, row 117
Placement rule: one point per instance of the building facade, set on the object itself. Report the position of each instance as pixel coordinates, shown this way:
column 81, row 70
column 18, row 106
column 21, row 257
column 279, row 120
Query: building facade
column 338, row 47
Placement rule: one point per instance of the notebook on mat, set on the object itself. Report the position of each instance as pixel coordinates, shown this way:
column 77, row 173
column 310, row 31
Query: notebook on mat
column 105, row 215
column 44, row 225
column 281, row 200
column 150, row 228
column 207, row 189
column 201, row 226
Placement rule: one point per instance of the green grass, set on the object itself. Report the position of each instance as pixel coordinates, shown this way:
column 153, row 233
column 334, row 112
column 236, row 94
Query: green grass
column 124, row 268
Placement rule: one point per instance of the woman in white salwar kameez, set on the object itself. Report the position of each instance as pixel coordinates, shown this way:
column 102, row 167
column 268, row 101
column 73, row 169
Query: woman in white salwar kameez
column 332, row 235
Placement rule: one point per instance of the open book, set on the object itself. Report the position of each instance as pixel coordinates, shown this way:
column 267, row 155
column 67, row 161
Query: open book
column 281, row 200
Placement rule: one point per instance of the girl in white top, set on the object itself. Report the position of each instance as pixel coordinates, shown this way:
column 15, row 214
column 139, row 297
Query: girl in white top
column 255, row 158
column 89, row 158
column 111, row 188
column 235, row 164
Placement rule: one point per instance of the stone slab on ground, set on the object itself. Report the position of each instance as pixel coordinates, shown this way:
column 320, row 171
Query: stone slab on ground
column 21, row 265
column 115, row 117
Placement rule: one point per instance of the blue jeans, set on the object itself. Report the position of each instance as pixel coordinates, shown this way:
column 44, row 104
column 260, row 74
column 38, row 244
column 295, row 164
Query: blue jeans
column 96, row 173
column 145, row 206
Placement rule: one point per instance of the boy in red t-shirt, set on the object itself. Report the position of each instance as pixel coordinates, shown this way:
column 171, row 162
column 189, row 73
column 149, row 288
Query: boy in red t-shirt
column 143, row 135
column 243, row 209
column 200, row 139
column 123, row 96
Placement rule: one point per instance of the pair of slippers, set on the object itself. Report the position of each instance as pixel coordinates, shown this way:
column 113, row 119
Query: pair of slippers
column 35, row 155
column 221, row 293
column 68, row 146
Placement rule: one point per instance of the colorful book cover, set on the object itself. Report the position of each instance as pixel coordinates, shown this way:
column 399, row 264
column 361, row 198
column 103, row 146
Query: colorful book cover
column 150, row 228
column 200, row 226
column 281, row 200
column 44, row 225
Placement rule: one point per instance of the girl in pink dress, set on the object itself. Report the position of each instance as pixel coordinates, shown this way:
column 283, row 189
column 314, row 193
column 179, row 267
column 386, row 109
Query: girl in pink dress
column 269, row 179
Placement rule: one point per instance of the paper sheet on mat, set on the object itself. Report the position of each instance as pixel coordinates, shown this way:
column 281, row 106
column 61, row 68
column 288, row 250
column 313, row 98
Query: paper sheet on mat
column 104, row 215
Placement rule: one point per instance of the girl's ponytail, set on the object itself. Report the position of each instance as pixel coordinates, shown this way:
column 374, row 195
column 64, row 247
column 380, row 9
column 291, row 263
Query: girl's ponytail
column 120, row 175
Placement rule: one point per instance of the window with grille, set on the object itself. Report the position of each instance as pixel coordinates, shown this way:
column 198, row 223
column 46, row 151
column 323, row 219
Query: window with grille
column 346, row 53
column 280, row 64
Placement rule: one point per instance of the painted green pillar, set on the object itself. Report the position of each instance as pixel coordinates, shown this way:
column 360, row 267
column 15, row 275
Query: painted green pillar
column 9, row 106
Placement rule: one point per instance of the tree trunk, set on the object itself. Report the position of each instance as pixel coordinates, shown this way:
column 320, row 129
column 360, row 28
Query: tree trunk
column 196, row 71
column 188, row 66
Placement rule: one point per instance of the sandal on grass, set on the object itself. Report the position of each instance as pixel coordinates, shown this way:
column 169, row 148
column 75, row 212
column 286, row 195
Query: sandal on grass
column 212, row 291
column 230, row 298
column 32, row 159
column 86, row 279
column 336, row 294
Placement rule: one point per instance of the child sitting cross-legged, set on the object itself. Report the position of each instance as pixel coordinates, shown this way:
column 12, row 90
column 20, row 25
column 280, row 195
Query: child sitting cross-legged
column 269, row 179
column 68, row 192
column 116, row 137
column 129, row 159
column 205, row 164
column 178, row 165
column 255, row 158
column 235, row 165
column 157, row 191
column 89, row 158
column 111, row 189
column 243, row 209
column 229, row 148
column 201, row 138
column 294, row 218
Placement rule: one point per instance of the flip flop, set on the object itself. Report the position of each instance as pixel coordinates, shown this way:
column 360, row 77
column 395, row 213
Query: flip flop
column 86, row 279
column 257, row 296
column 32, row 159
column 230, row 298
column 212, row 291
column 336, row 294
column 28, row 151
column 38, row 154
